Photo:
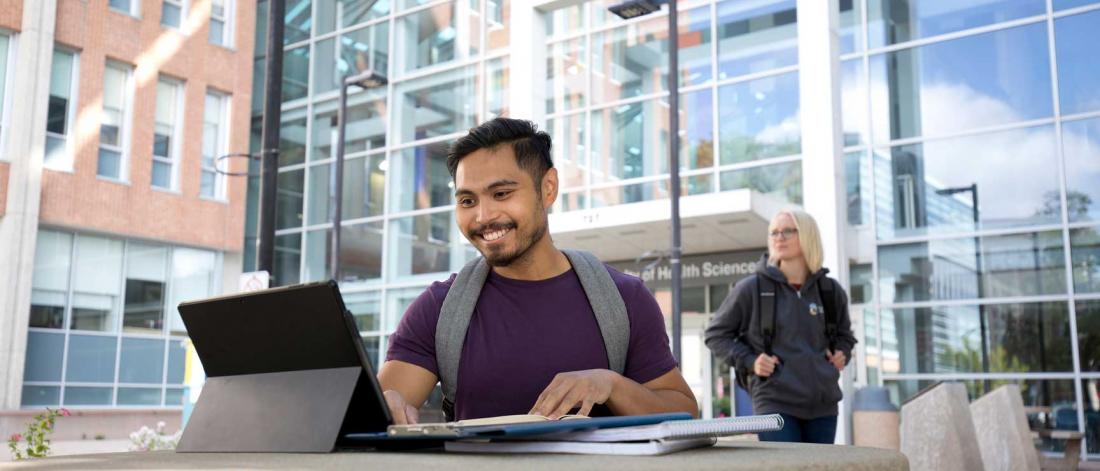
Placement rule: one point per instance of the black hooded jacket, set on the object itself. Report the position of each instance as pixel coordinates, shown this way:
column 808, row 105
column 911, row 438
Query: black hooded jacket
column 805, row 385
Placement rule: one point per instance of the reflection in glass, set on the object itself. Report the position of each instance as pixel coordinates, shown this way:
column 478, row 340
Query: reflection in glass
column 1003, row 338
column 360, row 253
column 193, row 277
column 759, row 119
column 397, row 303
column 898, row 21
column 97, row 284
column 630, row 141
column 857, row 179
column 365, row 131
column 50, row 283
column 566, row 20
column 434, row 36
column 321, row 196
column 295, row 73
column 91, row 359
column 1081, row 150
column 1075, row 37
column 567, row 135
column 1064, row 4
column 756, row 36
column 1011, row 265
column 573, row 200
column 173, row 397
column 366, row 308
column 292, row 137
column 566, row 76
column 497, row 18
column 318, row 255
column 967, row 183
column 851, row 31
column 146, row 275
column 343, row 13
column 177, row 362
column 288, row 259
column 141, row 361
column 916, row 92
column 139, row 396
column 496, row 100
column 421, row 179
column 853, row 102
column 44, row 355
column 348, row 54
column 651, row 190
column 420, row 244
column 696, row 130
column 364, row 187
column 783, row 182
column 84, row 396
column 290, row 195
column 861, row 279
column 41, row 396
column 297, row 20
column 436, row 105
column 1085, row 243
column 1088, row 334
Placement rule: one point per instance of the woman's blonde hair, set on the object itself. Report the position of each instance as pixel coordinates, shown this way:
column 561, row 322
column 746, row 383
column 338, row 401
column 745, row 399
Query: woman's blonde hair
column 808, row 237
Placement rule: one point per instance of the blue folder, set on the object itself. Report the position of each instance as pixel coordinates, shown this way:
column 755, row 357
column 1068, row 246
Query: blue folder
column 529, row 429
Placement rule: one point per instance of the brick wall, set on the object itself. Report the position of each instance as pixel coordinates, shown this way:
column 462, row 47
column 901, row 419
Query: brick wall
column 80, row 199
column 4, row 169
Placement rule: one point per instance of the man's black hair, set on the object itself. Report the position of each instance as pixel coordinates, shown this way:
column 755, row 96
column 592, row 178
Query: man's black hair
column 531, row 146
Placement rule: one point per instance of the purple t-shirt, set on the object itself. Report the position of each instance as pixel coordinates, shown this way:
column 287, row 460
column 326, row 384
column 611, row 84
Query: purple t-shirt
column 522, row 333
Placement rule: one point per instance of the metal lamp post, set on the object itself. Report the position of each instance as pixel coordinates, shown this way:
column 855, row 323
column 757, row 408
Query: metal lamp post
column 366, row 80
column 633, row 9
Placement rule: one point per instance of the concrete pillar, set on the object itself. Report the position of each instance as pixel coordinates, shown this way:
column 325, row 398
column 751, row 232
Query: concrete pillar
column 527, row 64
column 19, row 227
column 823, row 187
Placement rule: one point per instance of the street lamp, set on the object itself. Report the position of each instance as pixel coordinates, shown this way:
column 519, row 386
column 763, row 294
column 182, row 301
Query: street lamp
column 366, row 80
column 632, row 9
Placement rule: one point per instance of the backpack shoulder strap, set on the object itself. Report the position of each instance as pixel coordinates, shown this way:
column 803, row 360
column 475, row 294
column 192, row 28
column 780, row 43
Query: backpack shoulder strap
column 454, row 320
column 765, row 291
column 607, row 304
column 827, row 292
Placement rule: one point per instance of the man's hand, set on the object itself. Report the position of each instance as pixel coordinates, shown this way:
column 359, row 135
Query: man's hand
column 402, row 412
column 764, row 365
column 837, row 358
column 574, row 389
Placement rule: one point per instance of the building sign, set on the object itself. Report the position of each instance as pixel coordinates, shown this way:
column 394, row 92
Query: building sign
column 696, row 270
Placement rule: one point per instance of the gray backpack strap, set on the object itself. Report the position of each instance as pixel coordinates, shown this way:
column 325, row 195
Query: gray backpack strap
column 454, row 319
column 607, row 303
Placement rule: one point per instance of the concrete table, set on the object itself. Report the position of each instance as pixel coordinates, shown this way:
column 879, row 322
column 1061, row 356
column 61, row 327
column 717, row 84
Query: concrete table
column 725, row 456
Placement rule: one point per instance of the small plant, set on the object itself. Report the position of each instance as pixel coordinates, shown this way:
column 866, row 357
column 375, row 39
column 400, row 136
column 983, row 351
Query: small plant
column 37, row 436
column 147, row 439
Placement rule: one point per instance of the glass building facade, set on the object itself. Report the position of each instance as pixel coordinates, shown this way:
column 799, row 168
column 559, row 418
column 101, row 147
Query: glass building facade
column 971, row 136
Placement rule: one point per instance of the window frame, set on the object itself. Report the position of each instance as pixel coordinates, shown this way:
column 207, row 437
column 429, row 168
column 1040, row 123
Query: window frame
column 227, row 19
column 124, row 123
column 221, row 145
column 70, row 112
column 175, row 144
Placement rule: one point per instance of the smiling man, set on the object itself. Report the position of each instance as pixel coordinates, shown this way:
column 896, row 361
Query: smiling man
column 538, row 334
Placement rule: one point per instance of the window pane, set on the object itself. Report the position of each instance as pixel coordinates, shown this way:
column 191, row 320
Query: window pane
column 364, row 187
column 57, row 116
column 365, row 49
column 173, row 397
column 853, row 102
column 857, row 178
column 321, row 196
column 759, row 119
column 1011, row 265
column 367, row 309
column 397, row 303
column 756, row 36
column 109, row 164
column 292, row 137
column 1088, row 334
column 366, row 128
column 297, row 20
column 193, row 277
column 429, row 37
column 44, row 355
column 851, row 29
column 177, row 361
column 1004, row 338
column 139, row 396
column 496, row 101
column 566, row 20
column 295, row 73
column 1086, row 259
column 289, row 199
column 288, row 259
column 436, row 105
column 162, row 175
column 82, row 396
column 696, row 130
column 51, row 279
column 217, row 31
column 1062, row 5
column 497, row 18
column 654, row 190
column 170, row 15
column 91, row 359
column 630, row 141
column 347, row 13
column 360, row 253
column 146, row 272
column 861, row 279
column 318, row 255
column 41, row 396
column 566, row 76
column 326, row 76
column 916, row 92
column 569, row 154
column 781, row 181
column 420, row 244
column 898, row 21
column 1081, row 149
column 122, row 5
column 421, row 179
column 4, row 46
column 142, row 361
column 1003, row 179
column 97, row 283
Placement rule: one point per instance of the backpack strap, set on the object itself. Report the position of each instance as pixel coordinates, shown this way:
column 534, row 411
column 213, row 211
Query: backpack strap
column 458, row 308
column 827, row 292
column 765, row 291
column 454, row 320
column 607, row 304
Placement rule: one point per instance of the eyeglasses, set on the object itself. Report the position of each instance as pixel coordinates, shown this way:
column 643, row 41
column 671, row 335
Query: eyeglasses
column 783, row 234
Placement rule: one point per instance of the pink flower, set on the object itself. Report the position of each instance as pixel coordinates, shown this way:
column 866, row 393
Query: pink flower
column 65, row 412
column 15, row 437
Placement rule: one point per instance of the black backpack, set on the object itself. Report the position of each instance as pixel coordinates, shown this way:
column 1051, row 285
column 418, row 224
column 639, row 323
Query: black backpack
column 765, row 301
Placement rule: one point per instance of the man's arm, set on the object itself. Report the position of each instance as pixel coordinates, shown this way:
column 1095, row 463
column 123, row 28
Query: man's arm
column 406, row 386
column 583, row 389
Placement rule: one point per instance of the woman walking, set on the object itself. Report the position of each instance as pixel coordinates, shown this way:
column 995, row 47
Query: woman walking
column 786, row 331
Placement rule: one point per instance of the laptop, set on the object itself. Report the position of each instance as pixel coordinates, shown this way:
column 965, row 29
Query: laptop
column 287, row 372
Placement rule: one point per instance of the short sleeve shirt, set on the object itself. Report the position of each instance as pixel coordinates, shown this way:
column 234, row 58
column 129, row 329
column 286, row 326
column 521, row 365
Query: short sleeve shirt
column 522, row 333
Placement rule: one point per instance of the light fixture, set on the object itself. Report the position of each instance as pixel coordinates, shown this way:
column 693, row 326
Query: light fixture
column 635, row 8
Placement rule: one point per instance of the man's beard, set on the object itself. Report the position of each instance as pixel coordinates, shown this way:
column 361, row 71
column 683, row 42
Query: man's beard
column 524, row 243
